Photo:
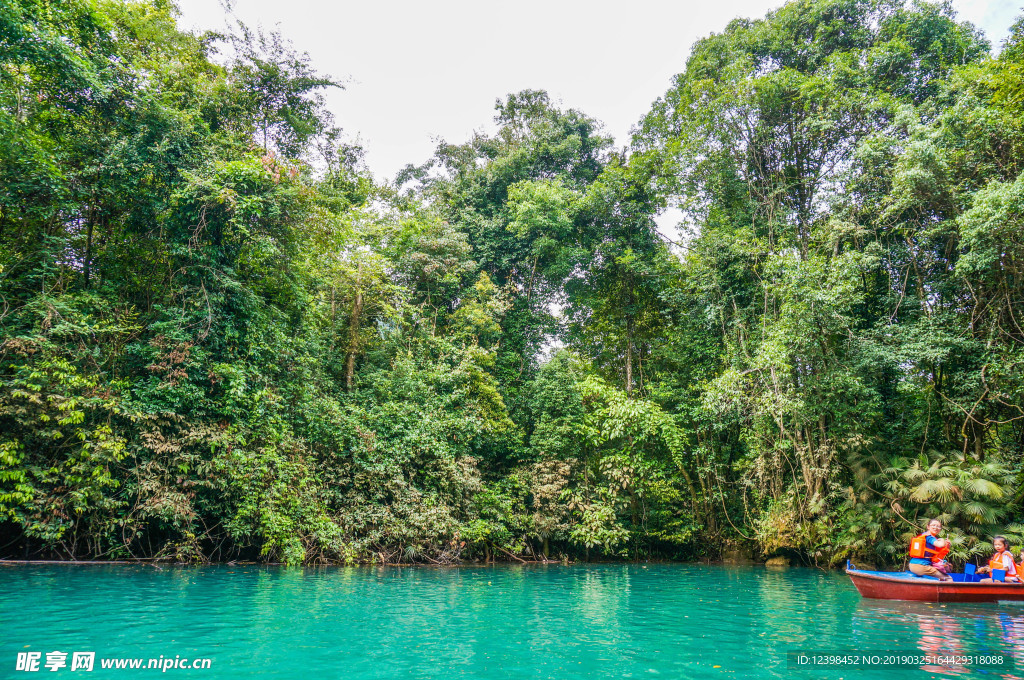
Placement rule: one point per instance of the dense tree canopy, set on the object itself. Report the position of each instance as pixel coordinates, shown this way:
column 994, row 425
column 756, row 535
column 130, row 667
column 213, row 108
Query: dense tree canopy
column 222, row 338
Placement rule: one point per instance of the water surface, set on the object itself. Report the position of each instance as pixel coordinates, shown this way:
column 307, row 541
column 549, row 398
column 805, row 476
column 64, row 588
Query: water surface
column 564, row 622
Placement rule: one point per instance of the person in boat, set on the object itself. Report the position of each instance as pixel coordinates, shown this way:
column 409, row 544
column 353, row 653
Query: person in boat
column 927, row 548
column 1002, row 559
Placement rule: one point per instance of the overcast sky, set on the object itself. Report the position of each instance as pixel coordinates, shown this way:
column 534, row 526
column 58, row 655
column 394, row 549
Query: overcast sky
column 417, row 72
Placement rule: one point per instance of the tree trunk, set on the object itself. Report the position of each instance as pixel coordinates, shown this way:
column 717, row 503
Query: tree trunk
column 88, row 247
column 629, row 367
column 353, row 333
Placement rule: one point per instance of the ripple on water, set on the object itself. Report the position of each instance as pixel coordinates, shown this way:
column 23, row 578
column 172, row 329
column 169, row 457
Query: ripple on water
column 502, row 622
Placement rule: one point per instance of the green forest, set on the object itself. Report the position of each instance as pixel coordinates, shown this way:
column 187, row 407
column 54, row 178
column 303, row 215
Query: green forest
column 222, row 338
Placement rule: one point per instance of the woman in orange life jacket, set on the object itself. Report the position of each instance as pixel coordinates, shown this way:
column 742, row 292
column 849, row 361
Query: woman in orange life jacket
column 928, row 547
column 1002, row 559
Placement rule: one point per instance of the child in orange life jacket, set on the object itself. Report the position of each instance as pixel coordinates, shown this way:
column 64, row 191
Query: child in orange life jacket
column 1002, row 559
column 939, row 562
column 928, row 548
column 938, row 557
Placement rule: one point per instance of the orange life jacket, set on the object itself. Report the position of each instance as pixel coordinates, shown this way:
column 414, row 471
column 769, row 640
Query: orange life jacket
column 996, row 562
column 940, row 553
column 919, row 548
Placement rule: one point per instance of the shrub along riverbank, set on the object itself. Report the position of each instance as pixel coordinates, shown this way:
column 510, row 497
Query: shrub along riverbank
column 221, row 338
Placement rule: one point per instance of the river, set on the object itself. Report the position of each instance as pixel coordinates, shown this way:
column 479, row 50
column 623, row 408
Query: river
column 559, row 622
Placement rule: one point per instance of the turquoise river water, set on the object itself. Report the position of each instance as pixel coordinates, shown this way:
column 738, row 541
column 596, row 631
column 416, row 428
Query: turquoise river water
column 560, row 622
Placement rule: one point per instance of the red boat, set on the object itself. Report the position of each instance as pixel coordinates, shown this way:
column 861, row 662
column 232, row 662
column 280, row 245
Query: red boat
column 903, row 585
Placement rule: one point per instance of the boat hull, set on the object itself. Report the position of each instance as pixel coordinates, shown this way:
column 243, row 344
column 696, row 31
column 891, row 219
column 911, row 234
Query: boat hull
column 905, row 586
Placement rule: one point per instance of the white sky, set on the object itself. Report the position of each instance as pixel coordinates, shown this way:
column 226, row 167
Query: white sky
column 422, row 71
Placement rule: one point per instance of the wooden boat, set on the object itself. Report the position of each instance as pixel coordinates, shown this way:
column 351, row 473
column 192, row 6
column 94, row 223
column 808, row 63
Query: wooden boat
column 903, row 585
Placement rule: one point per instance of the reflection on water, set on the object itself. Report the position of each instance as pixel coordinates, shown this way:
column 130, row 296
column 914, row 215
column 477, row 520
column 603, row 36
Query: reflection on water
column 569, row 623
column 944, row 629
